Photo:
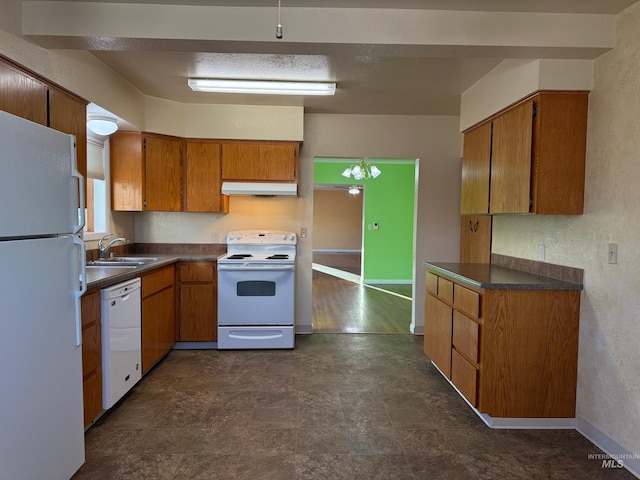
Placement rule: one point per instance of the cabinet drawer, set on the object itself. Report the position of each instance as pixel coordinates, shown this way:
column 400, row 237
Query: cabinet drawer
column 432, row 283
column 464, row 376
column 157, row 280
column 466, row 300
column 465, row 335
column 445, row 289
column 197, row 272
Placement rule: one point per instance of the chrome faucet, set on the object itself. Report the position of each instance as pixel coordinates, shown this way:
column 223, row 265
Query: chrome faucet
column 102, row 249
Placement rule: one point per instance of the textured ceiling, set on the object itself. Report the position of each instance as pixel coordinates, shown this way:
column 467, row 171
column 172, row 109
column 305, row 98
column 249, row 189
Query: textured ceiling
column 373, row 77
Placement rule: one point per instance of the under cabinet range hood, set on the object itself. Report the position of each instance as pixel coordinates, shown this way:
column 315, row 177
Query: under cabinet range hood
column 254, row 188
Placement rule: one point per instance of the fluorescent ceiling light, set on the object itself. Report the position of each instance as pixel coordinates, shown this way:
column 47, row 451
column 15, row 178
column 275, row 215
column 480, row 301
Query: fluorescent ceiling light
column 265, row 87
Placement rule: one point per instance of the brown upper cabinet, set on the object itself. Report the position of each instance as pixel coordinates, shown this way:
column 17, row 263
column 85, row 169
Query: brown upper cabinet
column 146, row 172
column 529, row 158
column 260, row 161
column 203, row 178
column 24, row 94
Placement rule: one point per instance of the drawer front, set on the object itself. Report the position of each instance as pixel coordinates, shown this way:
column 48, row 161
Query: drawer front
column 465, row 335
column 432, row 283
column 197, row 272
column 445, row 289
column 157, row 280
column 465, row 377
column 466, row 300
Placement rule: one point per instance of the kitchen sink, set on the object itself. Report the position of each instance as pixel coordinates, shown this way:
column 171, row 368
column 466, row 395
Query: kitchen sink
column 119, row 262
column 138, row 260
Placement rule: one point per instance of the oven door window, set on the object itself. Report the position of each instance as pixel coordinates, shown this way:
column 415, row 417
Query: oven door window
column 256, row 288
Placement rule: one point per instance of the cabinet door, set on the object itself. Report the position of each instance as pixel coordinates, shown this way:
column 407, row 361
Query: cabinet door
column 91, row 356
column 475, row 239
column 127, row 172
column 511, row 160
column 437, row 333
column 22, row 95
column 163, row 173
column 68, row 114
column 198, row 313
column 476, row 162
column 158, row 326
column 259, row 162
column 203, row 178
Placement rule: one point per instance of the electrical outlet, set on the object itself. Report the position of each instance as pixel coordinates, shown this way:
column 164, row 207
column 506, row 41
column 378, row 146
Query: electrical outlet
column 303, row 232
column 613, row 253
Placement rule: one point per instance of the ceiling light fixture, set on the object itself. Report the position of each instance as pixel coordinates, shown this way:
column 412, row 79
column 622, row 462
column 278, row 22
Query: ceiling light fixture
column 279, row 27
column 354, row 190
column 103, row 125
column 264, row 87
column 362, row 171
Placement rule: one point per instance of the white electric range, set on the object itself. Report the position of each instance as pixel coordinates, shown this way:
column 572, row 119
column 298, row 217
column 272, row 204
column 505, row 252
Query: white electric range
column 256, row 290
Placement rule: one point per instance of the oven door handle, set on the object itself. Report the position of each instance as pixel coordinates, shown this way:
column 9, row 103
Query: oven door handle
column 269, row 268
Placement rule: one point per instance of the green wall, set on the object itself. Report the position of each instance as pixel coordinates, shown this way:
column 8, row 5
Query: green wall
column 388, row 200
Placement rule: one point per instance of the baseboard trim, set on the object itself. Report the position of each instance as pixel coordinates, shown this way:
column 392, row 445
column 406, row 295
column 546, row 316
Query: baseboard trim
column 304, row 329
column 195, row 346
column 612, row 449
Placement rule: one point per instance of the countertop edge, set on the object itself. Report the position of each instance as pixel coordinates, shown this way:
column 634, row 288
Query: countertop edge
column 525, row 281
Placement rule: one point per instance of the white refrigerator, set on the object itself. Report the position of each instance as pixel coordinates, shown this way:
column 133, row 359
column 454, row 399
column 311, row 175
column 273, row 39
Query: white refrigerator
column 42, row 278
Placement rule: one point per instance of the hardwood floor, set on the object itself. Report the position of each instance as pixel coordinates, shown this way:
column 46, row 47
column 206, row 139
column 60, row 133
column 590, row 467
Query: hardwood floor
column 342, row 306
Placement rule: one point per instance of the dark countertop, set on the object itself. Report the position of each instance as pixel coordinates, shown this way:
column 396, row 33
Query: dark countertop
column 102, row 277
column 494, row 277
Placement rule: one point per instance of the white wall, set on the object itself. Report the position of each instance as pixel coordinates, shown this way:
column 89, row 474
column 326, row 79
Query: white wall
column 434, row 140
column 608, row 396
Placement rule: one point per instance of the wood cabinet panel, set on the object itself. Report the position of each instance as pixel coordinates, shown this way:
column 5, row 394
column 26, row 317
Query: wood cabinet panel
column 445, row 289
column 163, row 173
column 157, row 280
column 260, row 161
column 511, row 160
column 204, row 178
column 529, row 353
column 466, row 300
column 68, row 114
column 432, row 283
column 437, row 333
column 198, row 315
column 158, row 315
column 475, row 238
column 476, row 163
column 91, row 356
column 127, row 171
column 464, row 376
column 22, row 95
column 560, row 130
column 466, row 335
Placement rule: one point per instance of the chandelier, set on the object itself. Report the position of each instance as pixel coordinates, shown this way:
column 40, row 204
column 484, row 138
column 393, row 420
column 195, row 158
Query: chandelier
column 362, row 171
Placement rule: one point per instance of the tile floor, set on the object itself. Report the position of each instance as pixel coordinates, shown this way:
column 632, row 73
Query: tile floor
column 336, row 407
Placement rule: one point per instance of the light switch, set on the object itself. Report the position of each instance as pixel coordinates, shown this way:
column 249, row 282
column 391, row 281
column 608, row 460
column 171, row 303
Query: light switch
column 613, row 253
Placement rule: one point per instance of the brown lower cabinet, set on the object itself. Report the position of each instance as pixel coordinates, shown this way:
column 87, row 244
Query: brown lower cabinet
column 91, row 355
column 512, row 353
column 158, row 315
column 197, row 317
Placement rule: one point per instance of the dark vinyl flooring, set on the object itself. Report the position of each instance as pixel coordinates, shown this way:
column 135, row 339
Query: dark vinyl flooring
column 336, row 407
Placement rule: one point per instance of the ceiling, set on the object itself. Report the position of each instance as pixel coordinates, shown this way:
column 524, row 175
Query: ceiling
column 377, row 70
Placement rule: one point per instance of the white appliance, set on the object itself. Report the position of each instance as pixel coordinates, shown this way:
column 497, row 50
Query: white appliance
column 256, row 290
column 121, row 340
column 41, row 281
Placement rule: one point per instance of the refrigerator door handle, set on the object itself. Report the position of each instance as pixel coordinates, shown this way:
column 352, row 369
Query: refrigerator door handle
column 83, row 287
column 75, row 173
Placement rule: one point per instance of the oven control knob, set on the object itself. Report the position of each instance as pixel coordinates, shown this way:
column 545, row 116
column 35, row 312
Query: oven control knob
column 292, row 237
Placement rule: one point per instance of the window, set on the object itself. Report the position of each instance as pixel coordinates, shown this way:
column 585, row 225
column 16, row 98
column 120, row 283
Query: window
column 96, row 207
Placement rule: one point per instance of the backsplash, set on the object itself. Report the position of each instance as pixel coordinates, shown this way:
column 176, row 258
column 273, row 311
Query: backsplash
column 180, row 248
column 559, row 272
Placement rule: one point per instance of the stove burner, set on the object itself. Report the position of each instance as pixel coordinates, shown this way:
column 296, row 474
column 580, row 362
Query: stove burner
column 238, row 256
column 278, row 256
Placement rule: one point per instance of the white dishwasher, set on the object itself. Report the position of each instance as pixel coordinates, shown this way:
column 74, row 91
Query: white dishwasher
column 121, row 340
